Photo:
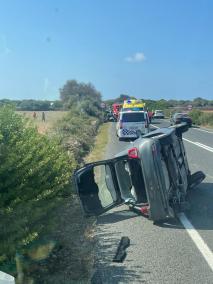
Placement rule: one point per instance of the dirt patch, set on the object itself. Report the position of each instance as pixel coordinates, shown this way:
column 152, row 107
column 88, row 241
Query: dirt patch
column 72, row 259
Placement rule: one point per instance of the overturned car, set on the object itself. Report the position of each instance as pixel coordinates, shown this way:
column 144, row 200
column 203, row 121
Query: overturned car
column 151, row 176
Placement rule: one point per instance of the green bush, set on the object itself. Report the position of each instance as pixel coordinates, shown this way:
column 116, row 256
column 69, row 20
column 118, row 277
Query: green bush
column 196, row 116
column 34, row 177
column 77, row 133
column 201, row 118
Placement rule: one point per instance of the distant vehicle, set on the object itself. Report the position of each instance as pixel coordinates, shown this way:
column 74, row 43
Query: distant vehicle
column 179, row 118
column 158, row 114
column 116, row 109
column 108, row 116
column 151, row 176
column 130, row 123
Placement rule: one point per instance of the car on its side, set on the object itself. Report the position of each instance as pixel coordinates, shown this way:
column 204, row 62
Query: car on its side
column 158, row 114
column 151, row 176
column 130, row 123
column 178, row 118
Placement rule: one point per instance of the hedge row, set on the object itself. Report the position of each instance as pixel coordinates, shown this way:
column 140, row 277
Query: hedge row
column 77, row 133
column 202, row 118
column 35, row 173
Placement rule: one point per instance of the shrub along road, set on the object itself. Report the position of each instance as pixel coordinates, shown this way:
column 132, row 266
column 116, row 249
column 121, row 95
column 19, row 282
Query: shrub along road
column 162, row 254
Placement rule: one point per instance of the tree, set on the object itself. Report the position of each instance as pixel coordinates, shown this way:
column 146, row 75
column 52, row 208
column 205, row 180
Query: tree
column 79, row 91
column 81, row 96
column 199, row 102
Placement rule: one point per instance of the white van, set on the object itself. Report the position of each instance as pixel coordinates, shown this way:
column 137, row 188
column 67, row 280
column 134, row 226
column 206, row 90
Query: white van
column 158, row 114
column 130, row 122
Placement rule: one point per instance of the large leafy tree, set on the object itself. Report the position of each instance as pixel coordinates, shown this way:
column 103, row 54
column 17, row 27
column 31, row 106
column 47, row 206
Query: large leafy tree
column 81, row 96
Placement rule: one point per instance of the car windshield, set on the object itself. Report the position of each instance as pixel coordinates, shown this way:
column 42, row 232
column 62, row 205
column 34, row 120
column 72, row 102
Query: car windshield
column 133, row 117
column 179, row 115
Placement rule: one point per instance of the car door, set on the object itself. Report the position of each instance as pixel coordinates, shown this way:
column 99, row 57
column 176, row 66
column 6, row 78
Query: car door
column 103, row 185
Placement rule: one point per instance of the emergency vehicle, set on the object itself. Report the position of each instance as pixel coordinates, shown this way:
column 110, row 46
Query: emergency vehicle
column 116, row 109
column 133, row 105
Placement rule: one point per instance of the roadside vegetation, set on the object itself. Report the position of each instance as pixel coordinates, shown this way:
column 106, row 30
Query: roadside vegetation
column 100, row 144
column 202, row 118
column 44, row 237
column 167, row 104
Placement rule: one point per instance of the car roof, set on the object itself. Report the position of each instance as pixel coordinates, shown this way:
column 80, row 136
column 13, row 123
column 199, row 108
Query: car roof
column 133, row 111
column 180, row 113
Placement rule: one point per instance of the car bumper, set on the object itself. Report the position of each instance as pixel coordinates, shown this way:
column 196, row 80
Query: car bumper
column 124, row 133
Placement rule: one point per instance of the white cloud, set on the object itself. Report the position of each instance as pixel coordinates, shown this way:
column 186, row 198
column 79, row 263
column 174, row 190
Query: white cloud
column 137, row 57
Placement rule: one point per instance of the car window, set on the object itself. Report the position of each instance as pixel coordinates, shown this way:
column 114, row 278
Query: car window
column 133, row 117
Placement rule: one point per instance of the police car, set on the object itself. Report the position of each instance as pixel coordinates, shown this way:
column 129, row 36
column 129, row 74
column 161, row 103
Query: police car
column 130, row 123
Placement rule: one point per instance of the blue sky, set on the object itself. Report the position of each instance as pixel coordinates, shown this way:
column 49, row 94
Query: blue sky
column 149, row 49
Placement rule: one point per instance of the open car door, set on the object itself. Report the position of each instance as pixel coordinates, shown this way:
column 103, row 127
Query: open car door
column 105, row 184
column 97, row 187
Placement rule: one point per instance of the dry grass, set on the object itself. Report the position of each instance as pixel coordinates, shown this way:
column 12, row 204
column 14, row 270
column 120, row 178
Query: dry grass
column 208, row 111
column 101, row 141
column 51, row 117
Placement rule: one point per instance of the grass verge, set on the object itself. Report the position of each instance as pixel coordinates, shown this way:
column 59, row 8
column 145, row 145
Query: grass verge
column 75, row 260
column 99, row 148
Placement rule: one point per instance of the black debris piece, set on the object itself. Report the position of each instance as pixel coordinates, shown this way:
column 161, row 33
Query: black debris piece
column 121, row 250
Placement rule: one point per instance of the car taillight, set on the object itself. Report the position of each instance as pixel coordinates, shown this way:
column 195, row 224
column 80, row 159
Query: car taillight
column 121, row 125
column 133, row 153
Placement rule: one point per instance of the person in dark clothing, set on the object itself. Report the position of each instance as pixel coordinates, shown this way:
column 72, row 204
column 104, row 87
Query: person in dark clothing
column 43, row 116
column 88, row 191
column 34, row 115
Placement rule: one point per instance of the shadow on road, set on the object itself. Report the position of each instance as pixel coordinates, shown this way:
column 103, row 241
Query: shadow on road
column 115, row 217
column 107, row 271
column 201, row 209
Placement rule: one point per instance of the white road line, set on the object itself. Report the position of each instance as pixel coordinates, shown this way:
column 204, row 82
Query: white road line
column 203, row 145
column 154, row 126
column 199, row 129
column 208, row 148
column 199, row 242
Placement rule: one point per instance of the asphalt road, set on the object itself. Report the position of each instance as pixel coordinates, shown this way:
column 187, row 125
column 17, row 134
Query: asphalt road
column 166, row 253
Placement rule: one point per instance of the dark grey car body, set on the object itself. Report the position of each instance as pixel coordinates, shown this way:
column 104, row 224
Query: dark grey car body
column 157, row 174
column 179, row 118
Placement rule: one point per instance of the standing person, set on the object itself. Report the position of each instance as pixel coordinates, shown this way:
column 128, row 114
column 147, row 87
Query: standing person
column 43, row 116
column 34, row 115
